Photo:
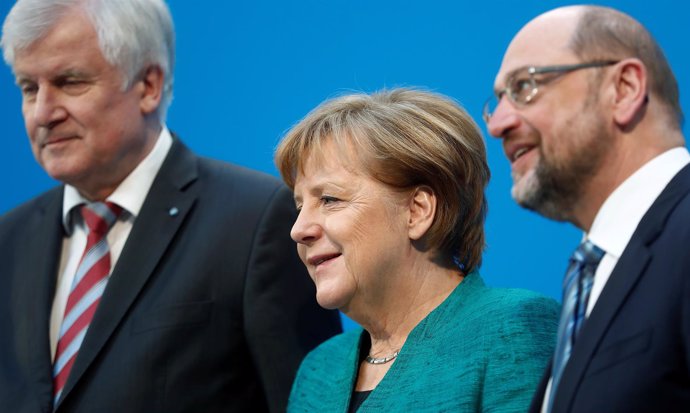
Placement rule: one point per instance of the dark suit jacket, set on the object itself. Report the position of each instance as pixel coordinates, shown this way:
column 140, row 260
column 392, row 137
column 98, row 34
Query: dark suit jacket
column 207, row 310
column 633, row 353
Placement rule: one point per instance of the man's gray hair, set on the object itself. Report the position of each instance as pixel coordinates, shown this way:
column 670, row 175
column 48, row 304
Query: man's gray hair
column 132, row 34
column 604, row 33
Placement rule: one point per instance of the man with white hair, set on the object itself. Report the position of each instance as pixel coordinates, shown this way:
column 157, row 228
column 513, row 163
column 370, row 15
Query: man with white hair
column 152, row 280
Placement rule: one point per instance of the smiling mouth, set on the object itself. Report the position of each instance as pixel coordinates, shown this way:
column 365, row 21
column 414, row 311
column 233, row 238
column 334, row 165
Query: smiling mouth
column 316, row 261
column 53, row 141
column 520, row 152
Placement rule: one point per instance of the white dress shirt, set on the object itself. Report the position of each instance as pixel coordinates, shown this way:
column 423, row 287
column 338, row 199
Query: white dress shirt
column 622, row 212
column 129, row 195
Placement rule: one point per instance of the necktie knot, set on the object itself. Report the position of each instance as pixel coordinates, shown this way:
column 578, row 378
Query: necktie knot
column 588, row 254
column 582, row 266
column 100, row 216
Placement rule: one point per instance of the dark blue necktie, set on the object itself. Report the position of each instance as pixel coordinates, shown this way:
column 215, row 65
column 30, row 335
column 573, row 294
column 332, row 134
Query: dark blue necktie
column 577, row 286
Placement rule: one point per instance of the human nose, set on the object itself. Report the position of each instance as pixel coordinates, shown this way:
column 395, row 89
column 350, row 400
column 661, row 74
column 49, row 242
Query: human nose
column 503, row 119
column 305, row 230
column 46, row 108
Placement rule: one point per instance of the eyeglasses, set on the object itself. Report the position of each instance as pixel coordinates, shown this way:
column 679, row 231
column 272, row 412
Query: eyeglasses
column 522, row 86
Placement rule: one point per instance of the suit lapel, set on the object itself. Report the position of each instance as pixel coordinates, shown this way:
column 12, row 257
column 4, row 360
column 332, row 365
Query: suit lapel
column 625, row 276
column 622, row 281
column 540, row 392
column 35, row 288
column 346, row 379
column 168, row 202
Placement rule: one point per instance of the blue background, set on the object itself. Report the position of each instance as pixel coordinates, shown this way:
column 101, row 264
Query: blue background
column 248, row 70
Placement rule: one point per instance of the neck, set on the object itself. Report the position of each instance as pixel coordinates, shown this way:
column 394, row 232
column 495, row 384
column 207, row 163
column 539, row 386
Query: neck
column 634, row 151
column 99, row 186
column 406, row 303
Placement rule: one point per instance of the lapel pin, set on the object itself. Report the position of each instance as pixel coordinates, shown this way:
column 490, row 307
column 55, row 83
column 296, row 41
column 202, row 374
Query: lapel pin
column 173, row 211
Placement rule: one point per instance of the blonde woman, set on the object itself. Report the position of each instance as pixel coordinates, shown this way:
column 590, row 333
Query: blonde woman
column 390, row 193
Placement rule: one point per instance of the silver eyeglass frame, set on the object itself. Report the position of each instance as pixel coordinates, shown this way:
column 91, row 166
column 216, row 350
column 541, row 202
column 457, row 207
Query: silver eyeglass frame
column 510, row 89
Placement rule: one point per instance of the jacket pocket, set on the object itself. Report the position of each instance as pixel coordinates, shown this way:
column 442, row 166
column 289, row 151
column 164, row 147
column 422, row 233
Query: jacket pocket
column 621, row 351
column 174, row 316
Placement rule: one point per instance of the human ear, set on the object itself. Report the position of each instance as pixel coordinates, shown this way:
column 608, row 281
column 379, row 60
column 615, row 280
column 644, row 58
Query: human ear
column 630, row 83
column 151, row 86
column 422, row 212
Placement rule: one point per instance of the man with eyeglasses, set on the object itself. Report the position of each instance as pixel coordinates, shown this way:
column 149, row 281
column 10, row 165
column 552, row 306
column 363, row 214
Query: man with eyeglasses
column 587, row 109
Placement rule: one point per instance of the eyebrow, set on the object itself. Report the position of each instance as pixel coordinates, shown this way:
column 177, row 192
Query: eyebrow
column 68, row 73
column 322, row 186
column 517, row 70
column 72, row 73
column 509, row 75
column 21, row 80
column 20, row 77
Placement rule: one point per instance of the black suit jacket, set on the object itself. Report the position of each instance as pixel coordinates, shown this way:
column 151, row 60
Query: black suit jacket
column 207, row 310
column 633, row 353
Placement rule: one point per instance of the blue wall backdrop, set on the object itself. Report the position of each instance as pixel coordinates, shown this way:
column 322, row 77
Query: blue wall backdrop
column 247, row 70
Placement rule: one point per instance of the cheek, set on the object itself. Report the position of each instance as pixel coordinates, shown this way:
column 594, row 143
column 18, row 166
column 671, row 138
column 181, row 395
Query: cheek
column 558, row 143
column 302, row 252
column 370, row 233
column 32, row 132
column 29, row 124
column 361, row 232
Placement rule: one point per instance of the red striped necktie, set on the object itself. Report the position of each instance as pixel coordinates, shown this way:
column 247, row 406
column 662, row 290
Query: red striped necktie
column 88, row 285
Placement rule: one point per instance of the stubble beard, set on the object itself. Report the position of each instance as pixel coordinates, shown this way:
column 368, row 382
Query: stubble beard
column 555, row 186
column 547, row 190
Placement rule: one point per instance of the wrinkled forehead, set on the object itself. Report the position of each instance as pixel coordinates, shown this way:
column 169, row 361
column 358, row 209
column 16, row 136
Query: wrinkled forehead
column 543, row 41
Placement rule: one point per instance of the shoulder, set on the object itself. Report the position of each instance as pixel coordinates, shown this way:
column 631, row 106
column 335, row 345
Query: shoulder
column 240, row 184
column 664, row 231
column 33, row 207
column 500, row 315
column 183, row 167
column 223, row 186
column 328, row 359
column 520, row 330
column 504, row 305
column 679, row 217
column 514, row 303
column 669, row 215
column 39, row 202
column 325, row 373
column 333, row 351
column 522, row 312
column 236, row 174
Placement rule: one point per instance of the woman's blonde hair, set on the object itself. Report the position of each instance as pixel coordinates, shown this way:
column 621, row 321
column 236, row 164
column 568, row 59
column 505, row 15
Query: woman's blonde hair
column 406, row 138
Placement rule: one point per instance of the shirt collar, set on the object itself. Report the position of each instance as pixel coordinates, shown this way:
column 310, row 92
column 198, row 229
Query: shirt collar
column 132, row 191
column 623, row 210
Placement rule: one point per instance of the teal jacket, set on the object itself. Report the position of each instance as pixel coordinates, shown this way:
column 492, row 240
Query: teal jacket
column 482, row 350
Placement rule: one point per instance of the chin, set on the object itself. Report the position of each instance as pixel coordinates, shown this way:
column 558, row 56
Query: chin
column 532, row 194
column 331, row 300
column 328, row 303
column 525, row 188
column 63, row 169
